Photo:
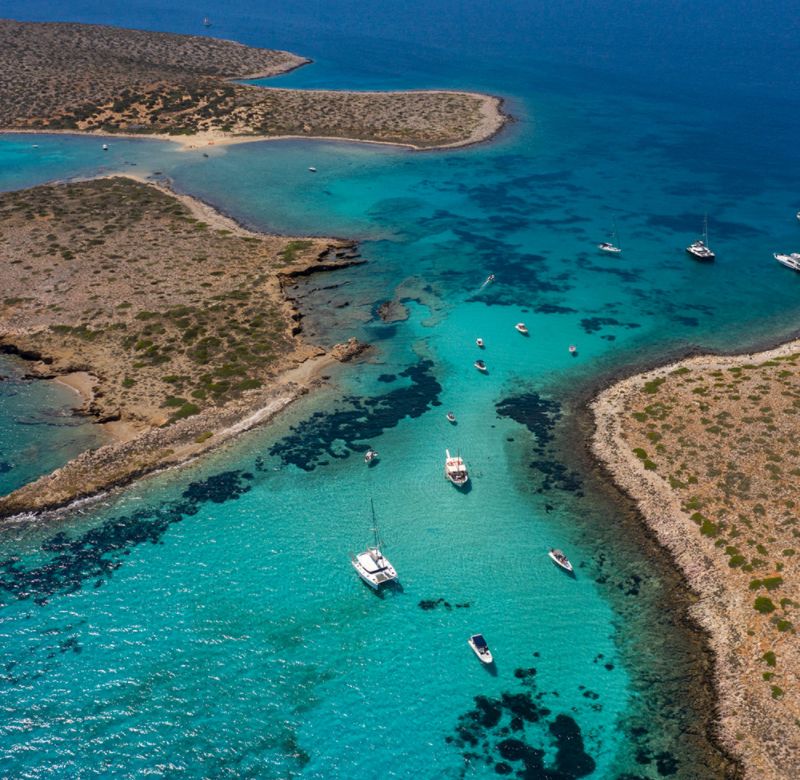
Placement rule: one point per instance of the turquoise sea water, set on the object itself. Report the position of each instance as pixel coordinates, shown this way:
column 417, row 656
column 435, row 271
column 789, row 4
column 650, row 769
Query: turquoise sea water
column 206, row 623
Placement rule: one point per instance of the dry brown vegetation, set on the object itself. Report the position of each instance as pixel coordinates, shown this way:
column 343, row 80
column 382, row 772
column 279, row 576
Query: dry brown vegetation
column 117, row 278
column 710, row 449
column 91, row 78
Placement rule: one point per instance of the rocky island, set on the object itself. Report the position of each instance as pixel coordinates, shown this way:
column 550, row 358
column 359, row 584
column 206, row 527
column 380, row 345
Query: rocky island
column 107, row 80
column 708, row 449
column 172, row 321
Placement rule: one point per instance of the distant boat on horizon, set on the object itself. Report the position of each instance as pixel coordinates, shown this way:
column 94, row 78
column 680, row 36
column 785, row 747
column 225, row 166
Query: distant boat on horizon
column 700, row 249
column 206, row 22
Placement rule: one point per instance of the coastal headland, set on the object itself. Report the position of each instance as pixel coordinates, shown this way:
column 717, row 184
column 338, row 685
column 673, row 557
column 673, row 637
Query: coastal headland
column 707, row 447
column 58, row 77
column 173, row 322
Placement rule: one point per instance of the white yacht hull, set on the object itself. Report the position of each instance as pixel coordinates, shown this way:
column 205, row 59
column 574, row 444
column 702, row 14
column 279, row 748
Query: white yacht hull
column 485, row 656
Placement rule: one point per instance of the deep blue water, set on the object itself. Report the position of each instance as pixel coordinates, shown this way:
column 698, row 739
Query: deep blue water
column 207, row 622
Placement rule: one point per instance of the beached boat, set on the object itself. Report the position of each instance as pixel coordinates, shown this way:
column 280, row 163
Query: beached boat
column 700, row 249
column 561, row 560
column 451, row 418
column 371, row 457
column 480, row 342
column 455, row 470
column 522, row 328
column 372, row 565
column 480, row 648
column 481, row 366
column 790, row 261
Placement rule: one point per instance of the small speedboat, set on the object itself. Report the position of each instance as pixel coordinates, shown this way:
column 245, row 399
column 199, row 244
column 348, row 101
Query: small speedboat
column 312, row 169
column 522, row 328
column 454, row 470
column 371, row 457
column 481, row 366
column 607, row 246
column 105, row 147
column 451, row 418
column 480, row 648
column 798, row 215
column 573, row 350
column 490, row 277
column 480, row 343
column 790, row 261
column 561, row 560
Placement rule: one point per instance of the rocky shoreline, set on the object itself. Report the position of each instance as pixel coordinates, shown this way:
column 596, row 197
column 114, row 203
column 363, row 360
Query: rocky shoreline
column 759, row 730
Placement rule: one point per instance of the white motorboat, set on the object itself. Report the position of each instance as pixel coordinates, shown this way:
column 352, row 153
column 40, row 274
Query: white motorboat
column 372, row 565
column 480, row 342
column 561, row 560
column 451, row 418
column 371, row 456
column 798, row 215
column 522, row 328
column 790, row 261
column 611, row 246
column 481, row 366
column 455, row 470
column 700, row 249
column 105, row 147
column 206, row 22
column 573, row 350
column 480, row 648
column 312, row 169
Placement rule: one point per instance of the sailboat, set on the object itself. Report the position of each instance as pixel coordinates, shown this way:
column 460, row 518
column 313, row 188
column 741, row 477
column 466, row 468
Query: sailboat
column 612, row 246
column 206, row 22
column 372, row 565
column 700, row 250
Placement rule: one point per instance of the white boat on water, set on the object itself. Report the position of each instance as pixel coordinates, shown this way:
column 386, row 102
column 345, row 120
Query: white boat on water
column 371, row 456
column 480, row 648
column 372, row 565
column 573, row 350
column 455, row 470
column 700, row 249
column 481, row 366
column 611, row 247
column 790, row 261
column 480, row 342
column 312, row 169
column 451, row 418
column 561, row 560
column 522, row 328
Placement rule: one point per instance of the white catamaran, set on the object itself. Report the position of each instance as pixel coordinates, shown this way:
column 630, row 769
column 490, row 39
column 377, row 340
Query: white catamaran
column 372, row 565
column 700, row 249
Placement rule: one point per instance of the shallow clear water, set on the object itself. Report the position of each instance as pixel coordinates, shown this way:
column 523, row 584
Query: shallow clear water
column 207, row 622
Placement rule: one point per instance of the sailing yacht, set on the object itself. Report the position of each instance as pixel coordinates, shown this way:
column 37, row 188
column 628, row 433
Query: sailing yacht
column 455, row 470
column 372, row 565
column 611, row 246
column 700, row 250
column 206, row 22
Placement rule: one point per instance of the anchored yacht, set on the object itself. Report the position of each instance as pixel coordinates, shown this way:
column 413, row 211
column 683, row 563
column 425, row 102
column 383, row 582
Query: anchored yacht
column 559, row 558
column 522, row 328
column 372, row 565
column 790, row 261
column 455, row 470
column 700, row 249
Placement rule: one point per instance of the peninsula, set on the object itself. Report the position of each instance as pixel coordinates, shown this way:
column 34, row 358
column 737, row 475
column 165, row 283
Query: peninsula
column 107, row 80
column 171, row 319
column 708, row 449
